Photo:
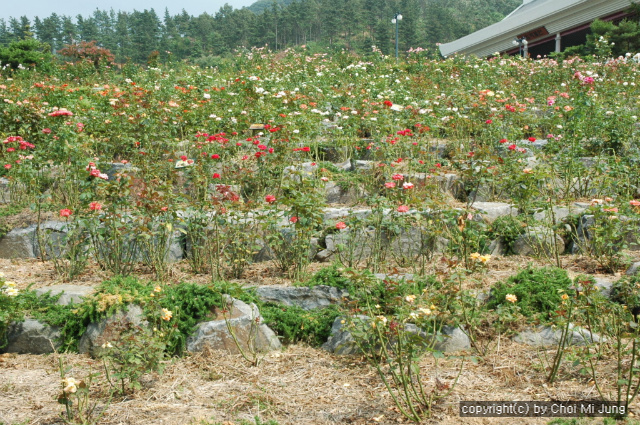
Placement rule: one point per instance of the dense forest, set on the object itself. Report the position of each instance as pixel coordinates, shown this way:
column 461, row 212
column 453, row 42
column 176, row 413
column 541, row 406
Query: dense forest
column 356, row 25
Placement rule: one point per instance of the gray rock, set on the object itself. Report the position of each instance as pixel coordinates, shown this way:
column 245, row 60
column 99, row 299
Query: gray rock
column 336, row 194
column 545, row 336
column 452, row 184
column 352, row 246
column 450, row 340
column 497, row 247
column 411, row 242
column 71, row 294
column 344, row 166
column 538, row 241
column 584, row 205
column 32, row 337
column 560, row 213
column 484, row 193
column 604, row 285
column 5, row 191
column 537, row 144
column 54, row 239
column 341, row 342
column 296, row 172
column 176, row 249
column 490, row 211
column 337, row 214
column 533, row 162
column 584, row 233
column 118, row 168
column 264, row 252
column 108, row 329
column 394, row 276
column 9, row 189
column 363, row 165
column 324, row 255
column 306, row 298
column 634, row 269
column 248, row 328
column 441, row 245
column 19, row 243
column 589, row 162
column 438, row 148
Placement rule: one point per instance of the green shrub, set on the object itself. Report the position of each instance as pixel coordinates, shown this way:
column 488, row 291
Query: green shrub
column 627, row 291
column 293, row 324
column 330, row 276
column 538, row 291
column 508, row 228
column 189, row 303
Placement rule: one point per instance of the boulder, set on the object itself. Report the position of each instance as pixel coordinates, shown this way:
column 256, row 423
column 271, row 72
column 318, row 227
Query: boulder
column 363, row 165
column 546, row 336
column 336, row 194
column 5, row 191
column 344, row 166
column 32, row 337
column 628, row 229
column 450, row 339
column 439, row 148
column 582, row 233
column 108, row 329
column 490, row 211
column 538, row 241
column 53, row 237
column 452, row 184
column 248, row 328
column 498, row 247
column 295, row 172
column 538, row 143
column 353, row 246
column 19, row 243
column 559, row 212
column 394, row 276
column 341, row 341
column 71, row 294
column 337, row 214
column 634, row 269
column 117, row 168
column 604, row 286
column 174, row 249
column 410, row 242
column 265, row 252
column 306, row 298
column 324, row 255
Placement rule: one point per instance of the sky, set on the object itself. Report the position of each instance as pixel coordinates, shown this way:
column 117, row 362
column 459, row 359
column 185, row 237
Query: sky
column 44, row 8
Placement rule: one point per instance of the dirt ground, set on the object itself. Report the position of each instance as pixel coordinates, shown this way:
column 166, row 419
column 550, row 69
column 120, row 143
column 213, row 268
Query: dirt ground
column 298, row 385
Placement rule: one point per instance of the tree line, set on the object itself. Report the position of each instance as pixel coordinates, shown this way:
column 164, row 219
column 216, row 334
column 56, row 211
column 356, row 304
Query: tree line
column 355, row 25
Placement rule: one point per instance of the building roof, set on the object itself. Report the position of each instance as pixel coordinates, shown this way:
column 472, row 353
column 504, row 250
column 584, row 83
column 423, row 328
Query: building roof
column 553, row 16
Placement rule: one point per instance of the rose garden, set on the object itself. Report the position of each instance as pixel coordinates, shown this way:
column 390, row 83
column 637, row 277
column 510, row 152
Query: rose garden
column 294, row 232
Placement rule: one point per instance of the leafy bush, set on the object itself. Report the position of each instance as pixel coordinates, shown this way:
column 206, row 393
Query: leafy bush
column 330, row 276
column 508, row 228
column 293, row 324
column 538, row 290
column 627, row 291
